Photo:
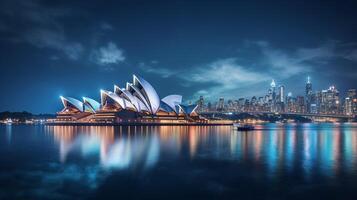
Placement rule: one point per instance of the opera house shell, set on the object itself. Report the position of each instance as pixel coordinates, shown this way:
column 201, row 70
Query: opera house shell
column 137, row 101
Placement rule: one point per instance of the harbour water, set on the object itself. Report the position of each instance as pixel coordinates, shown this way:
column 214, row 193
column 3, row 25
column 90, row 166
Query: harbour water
column 276, row 161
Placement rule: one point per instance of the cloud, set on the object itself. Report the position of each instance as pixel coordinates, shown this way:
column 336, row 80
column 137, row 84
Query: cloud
column 226, row 72
column 46, row 38
column 283, row 65
column 225, row 78
column 106, row 26
column 351, row 55
column 163, row 72
column 230, row 77
column 109, row 54
column 323, row 52
column 38, row 25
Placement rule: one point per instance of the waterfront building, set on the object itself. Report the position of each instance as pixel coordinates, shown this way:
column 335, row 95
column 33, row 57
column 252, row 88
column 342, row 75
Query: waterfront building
column 260, row 103
column 272, row 96
column 241, row 102
column 291, row 103
column 330, row 102
column 352, row 93
column 201, row 105
column 246, row 107
column 230, row 106
column 308, row 95
column 300, row 101
column 313, row 108
column 348, row 108
column 318, row 101
column 282, row 93
column 281, row 102
column 236, row 105
column 220, row 106
column 253, row 104
column 350, row 104
column 137, row 102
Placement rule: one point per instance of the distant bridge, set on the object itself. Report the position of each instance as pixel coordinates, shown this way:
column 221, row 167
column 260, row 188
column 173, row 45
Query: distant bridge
column 338, row 116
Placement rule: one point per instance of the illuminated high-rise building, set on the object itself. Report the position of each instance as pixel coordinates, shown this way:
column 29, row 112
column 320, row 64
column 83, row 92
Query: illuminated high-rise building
column 241, row 102
column 352, row 93
column 291, row 103
column 253, row 103
column 230, row 105
column 201, row 104
column 300, row 104
column 330, row 102
column 282, row 93
column 273, row 96
column 350, row 107
column 281, row 101
column 220, row 106
column 308, row 94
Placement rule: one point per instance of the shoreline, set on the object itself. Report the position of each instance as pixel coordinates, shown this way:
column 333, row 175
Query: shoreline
column 137, row 124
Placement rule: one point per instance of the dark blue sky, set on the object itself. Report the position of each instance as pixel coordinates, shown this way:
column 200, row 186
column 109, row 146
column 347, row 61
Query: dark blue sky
column 212, row 48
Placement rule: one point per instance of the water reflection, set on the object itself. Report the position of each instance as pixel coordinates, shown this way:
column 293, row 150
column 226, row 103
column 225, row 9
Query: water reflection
column 325, row 149
column 8, row 133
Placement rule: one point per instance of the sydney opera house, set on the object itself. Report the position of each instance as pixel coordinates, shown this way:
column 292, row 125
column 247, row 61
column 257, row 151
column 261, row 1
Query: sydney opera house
column 138, row 102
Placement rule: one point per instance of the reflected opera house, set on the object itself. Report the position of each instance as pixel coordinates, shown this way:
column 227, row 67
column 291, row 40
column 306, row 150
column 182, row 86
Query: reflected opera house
column 138, row 102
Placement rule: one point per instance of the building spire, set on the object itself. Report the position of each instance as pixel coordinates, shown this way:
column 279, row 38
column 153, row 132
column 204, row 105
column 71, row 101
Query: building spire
column 308, row 80
column 272, row 84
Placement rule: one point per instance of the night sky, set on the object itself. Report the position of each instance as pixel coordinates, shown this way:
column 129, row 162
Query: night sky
column 216, row 49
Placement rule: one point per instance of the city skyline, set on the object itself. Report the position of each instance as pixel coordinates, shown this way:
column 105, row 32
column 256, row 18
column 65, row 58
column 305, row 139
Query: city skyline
column 279, row 100
column 196, row 48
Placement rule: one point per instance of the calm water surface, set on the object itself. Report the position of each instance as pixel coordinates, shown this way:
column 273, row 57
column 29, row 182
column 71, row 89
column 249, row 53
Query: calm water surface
column 292, row 161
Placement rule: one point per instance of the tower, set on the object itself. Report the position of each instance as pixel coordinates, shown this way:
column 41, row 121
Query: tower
column 308, row 94
column 220, row 104
column 281, row 98
column 273, row 96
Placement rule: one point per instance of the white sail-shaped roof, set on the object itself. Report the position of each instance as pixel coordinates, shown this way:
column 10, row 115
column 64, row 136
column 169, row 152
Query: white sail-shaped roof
column 127, row 96
column 143, row 104
column 188, row 109
column 172, row 101
column 165, row 107
column 149, row 93
column 72, row 102
column 105, row 94
column 138, row 96
column 92, row 104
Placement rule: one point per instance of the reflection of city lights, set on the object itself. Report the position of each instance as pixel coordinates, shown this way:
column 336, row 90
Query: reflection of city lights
column 274, row 146
column 118, row 153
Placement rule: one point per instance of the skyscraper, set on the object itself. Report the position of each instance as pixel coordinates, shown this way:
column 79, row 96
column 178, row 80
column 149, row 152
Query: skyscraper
column 220, row 106
column 281, row 103
column 230, row 105
column 291, row 103
column 351, row 102
column 201, row 104
column 273, row 96
column 300, row 104
column 282, row 93
column 330, row 102
column 308, row 94
column 348, row 109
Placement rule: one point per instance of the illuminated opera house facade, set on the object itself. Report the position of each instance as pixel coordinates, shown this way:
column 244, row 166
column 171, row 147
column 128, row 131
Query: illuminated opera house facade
column 137, row 102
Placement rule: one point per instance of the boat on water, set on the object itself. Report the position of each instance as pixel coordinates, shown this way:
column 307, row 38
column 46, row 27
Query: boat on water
column 243, row 127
